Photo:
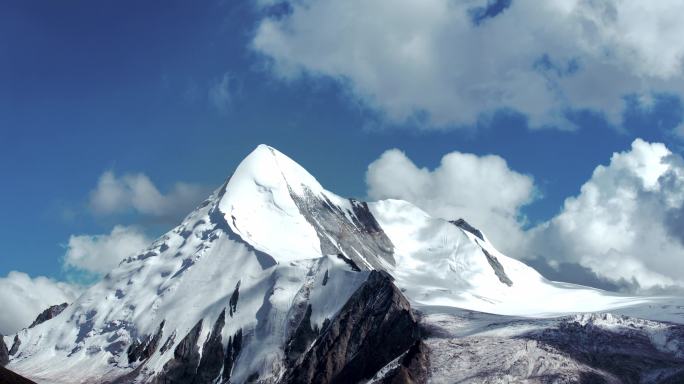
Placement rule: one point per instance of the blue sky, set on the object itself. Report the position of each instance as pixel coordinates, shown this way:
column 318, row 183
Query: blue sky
column 182, row 91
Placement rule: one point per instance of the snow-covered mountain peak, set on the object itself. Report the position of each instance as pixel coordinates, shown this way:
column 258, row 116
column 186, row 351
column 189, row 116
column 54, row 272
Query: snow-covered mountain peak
column 276, row 206
column 255, row 280
column 258, row 204
column 268, row 168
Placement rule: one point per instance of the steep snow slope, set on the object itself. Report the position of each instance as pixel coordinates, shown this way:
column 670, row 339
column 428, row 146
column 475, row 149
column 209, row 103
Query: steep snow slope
column 259, row 208
column 267, row 252
column 228, row 247
column 442, row 263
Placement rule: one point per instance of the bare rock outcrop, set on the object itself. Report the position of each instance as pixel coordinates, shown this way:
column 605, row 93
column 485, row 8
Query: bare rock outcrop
column 48, row 314
column 373, row 328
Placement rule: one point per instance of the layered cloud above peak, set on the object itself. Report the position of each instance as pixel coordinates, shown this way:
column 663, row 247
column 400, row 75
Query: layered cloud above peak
column 625, row 225
column 452, row 64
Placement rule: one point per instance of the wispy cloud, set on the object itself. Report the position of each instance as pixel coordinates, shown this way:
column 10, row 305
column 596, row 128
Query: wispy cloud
column 223, row 92
column 135, row 192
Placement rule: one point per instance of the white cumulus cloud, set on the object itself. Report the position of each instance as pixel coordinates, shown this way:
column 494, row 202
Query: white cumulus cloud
column 429, row 58
column 626, row 225
column 100, row 253
column 482, row 190
column 136, row 192
column 24, row 297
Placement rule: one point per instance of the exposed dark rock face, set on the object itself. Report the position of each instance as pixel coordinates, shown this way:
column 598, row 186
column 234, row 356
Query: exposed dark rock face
column 491, row 259
column 350, row 262
column 373, row 328
column 363, row 218
column 15, row 345
column 301, row 339
column 4, row 353
column 677, row 378
column 181, row 369
column 461, row 223
column 234, row 299
column 135, row 350
column 253, row 377
column 414, row 367
column 325, row 278
column 212, row 354
column 232, row 351
column 627, row 354
column 48, row 314
column 154, row 343
column 9, row 377
column 353, row 231
column 142, row 350
column 498, row 268
column 168, row 343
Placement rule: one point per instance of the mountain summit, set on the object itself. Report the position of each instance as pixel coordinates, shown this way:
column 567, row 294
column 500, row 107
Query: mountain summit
column 275, row 279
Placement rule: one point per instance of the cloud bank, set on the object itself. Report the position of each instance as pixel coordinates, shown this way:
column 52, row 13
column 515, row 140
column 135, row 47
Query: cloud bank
column 98, row 254
column 624, row 228
column 627, row 222
column 454, row 63
column 136, row 193
column 23, row 298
